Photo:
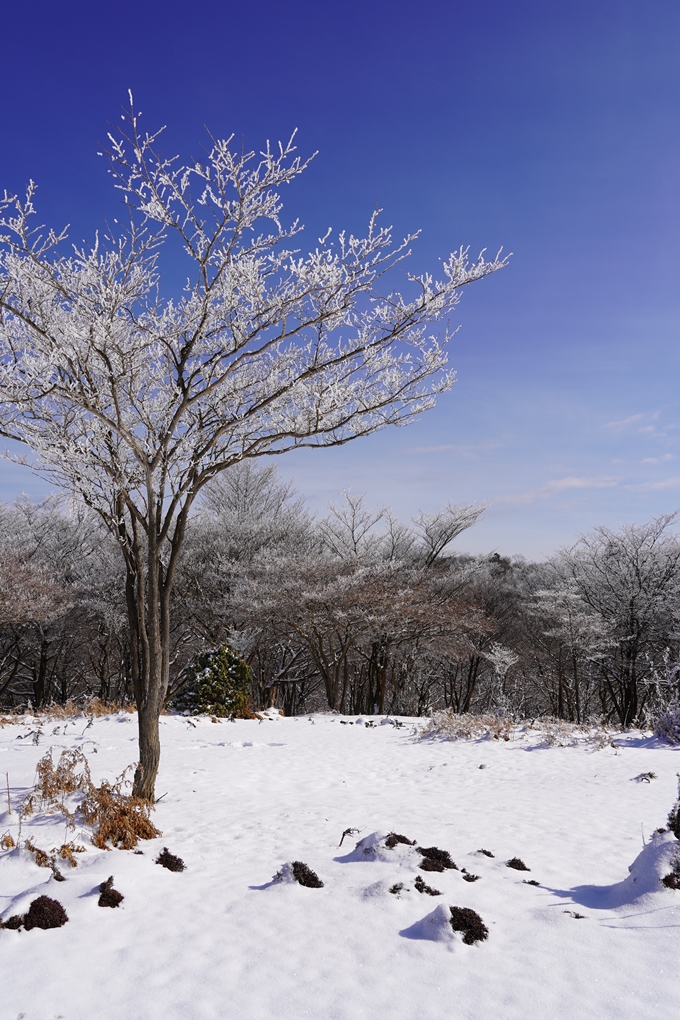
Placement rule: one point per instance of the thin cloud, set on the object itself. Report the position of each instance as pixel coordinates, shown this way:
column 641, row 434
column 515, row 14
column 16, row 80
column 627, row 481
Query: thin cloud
column 559, row 485
column 624, row 421
column 667, row 483
column 634, row 419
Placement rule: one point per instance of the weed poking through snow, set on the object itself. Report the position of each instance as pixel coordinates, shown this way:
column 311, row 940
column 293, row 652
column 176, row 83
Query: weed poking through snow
column 170, row 861
column 470, row 923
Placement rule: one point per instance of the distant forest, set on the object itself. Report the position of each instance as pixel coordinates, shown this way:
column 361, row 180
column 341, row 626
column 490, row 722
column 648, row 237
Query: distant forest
column 356, row 612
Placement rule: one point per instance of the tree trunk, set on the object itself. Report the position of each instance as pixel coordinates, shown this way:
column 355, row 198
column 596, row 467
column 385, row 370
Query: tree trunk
column 148, row 614
column 149, row 754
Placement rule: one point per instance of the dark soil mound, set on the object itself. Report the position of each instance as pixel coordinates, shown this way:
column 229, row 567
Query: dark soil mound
column 14, row 923
column 423, row 888
column 305, row 876
column 517, row 863
column 435, row 859
column 45, row 913
column 395, row 837
column 109, row 897
column 470, row 923
column 170, row 861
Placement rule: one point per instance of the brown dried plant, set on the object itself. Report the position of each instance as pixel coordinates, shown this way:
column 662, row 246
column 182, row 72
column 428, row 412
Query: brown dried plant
column 121, row 820
column 118, row 819
column 67, row 851
column 42, row 859
column 6, row 841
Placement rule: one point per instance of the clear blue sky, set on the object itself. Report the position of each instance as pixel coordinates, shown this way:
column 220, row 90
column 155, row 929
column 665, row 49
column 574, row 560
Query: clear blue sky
column 550, row 128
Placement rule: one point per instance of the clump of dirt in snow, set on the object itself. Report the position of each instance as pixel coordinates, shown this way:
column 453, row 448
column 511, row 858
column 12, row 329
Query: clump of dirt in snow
column 42, row 913
column 423, row 888
column 435, row 859
column 470, row 923
column 170, row 861
column 109, row 897
column 304, row 875
column 389, row 847
column 394, row 838
column 517, row 863
column 300, row 873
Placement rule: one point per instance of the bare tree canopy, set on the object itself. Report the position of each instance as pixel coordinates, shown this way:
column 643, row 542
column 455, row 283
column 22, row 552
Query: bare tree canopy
column 135, row 402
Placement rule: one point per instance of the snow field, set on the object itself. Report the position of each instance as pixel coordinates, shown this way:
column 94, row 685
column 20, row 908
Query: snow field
column 220, row 940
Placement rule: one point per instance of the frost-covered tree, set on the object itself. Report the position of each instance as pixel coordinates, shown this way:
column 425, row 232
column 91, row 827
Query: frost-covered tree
column 631, row 580
column 135, row 401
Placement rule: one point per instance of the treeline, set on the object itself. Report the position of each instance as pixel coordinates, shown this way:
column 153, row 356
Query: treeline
column 356, row 612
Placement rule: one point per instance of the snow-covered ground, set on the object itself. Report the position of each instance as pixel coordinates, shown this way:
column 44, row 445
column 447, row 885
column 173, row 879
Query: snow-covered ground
column 239, row 800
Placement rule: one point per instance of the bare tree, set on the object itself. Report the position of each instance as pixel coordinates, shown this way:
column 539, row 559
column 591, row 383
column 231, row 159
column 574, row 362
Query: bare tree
column 136, row 402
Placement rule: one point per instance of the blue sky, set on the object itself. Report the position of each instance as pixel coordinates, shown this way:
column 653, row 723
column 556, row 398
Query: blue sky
column 552, row 129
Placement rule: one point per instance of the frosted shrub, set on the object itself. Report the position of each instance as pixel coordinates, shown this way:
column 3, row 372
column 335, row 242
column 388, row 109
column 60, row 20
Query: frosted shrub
column 217, row 683
column 450, row 725
column 667, row 726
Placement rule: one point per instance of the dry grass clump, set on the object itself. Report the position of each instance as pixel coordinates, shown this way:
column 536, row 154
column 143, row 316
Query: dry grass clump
column 67, row 852
column 450, row 725
column 93, row 707
column 55, row 783
column 42, row 859
column 119, row 820
column 6, row 841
